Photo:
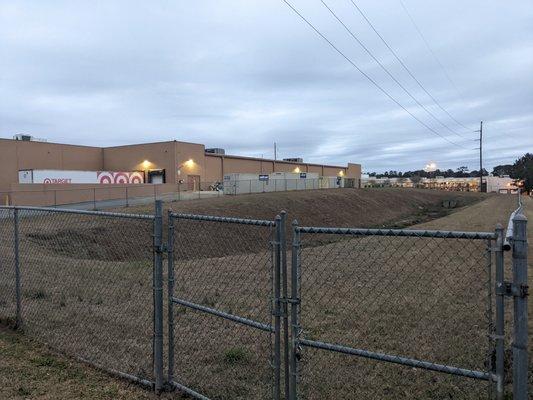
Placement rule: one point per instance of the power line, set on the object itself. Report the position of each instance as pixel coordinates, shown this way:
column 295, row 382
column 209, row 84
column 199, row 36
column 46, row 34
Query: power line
column 367, row 76
column 386, row 70
column 405, row 66
column 430, row 49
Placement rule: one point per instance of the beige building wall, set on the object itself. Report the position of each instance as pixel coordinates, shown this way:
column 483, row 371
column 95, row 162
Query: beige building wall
column 141, row 157
column 218, row 165
column 237, row 165
column 16, row 155
column 353, row 171
column 315, row 169
column 190, row 160
column 213, row 166
column 180, row 160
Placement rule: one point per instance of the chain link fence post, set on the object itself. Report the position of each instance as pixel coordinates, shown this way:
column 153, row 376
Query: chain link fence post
column 277, row 307
column 500, row 314
column 490, row 250
column 170, row 264
column 284, row 280
column 158, row 296
column 520, row 356
column 295, row 304
column 18, row 317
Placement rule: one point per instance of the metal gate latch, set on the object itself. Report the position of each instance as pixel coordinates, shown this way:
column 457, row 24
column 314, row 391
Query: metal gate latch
column 511, row 290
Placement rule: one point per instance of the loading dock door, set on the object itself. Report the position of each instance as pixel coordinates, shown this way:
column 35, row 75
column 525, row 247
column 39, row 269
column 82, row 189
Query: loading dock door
column 156, row 176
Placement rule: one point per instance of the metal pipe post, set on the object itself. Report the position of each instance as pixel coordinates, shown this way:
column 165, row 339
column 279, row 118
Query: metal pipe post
column 277, row 308
column 520, row 356
column 488, row 254
column 170, row 264
column 18, row 316
column 285, row 311
column 158, row 296
column 500, row 315
column 295, row 303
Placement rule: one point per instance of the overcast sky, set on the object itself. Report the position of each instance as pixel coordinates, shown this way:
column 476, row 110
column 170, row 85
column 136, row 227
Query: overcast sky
column 243, row 74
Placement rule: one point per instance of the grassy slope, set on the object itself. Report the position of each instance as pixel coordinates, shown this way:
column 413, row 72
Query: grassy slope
column 30, row 371
column 332, row 207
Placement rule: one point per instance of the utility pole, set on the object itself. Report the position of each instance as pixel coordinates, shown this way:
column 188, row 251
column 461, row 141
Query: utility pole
column 275, row 152
column 481, row 156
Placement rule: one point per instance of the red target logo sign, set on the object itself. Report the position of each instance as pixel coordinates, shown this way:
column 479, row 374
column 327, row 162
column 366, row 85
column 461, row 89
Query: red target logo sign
column 107, row 177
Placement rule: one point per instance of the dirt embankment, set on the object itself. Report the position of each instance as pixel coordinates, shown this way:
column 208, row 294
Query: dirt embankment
column 83, row 237
column 334, row 207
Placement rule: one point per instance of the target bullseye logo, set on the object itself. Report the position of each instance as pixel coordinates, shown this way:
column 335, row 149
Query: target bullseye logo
column 107, row 177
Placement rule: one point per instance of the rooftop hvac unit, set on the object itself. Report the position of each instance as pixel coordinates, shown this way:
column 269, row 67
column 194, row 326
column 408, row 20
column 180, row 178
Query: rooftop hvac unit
column 24, row 138
column 216, row 150
column 27, row 138
column 294, row 159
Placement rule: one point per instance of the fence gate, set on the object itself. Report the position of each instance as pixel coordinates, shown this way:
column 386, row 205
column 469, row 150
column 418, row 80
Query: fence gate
column 393, row 313
column 224, row 308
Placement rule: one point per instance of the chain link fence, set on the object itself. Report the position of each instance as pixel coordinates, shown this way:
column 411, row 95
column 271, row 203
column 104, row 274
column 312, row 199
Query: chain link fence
column 254, row 309
column 222, row 329
column 8, row 274
column 410, row 305
column 85, row 284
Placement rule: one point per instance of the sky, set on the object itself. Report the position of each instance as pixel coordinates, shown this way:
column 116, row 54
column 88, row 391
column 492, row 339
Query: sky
column 242, row 75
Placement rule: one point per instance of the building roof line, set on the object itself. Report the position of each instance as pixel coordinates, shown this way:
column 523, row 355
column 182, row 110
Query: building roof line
column 272, row 160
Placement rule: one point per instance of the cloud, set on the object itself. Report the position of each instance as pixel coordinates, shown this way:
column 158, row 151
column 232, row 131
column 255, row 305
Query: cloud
column 241, row 75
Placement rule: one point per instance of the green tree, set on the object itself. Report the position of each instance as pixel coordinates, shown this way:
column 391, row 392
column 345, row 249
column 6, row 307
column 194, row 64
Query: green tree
column 462, row 172
column 523, row 169
column 504, row 169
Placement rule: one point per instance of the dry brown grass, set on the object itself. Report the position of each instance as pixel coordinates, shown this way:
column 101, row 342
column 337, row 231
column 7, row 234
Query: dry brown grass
column 78, row 298
column 332, row 207
column 29, row 370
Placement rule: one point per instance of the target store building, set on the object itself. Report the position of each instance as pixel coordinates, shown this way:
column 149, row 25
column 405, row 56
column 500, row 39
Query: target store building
column 30, row 165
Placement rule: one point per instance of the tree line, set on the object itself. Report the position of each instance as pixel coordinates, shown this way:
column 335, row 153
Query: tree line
column 521, row 169
column 461, row 172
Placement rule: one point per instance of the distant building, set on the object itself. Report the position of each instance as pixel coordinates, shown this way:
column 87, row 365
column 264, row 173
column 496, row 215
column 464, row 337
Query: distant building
column 495, row 184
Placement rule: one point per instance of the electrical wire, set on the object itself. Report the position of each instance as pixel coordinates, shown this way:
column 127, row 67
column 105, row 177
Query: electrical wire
column 387, row 71
column 430, row 49
column 394, row 53
column 367, row 76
